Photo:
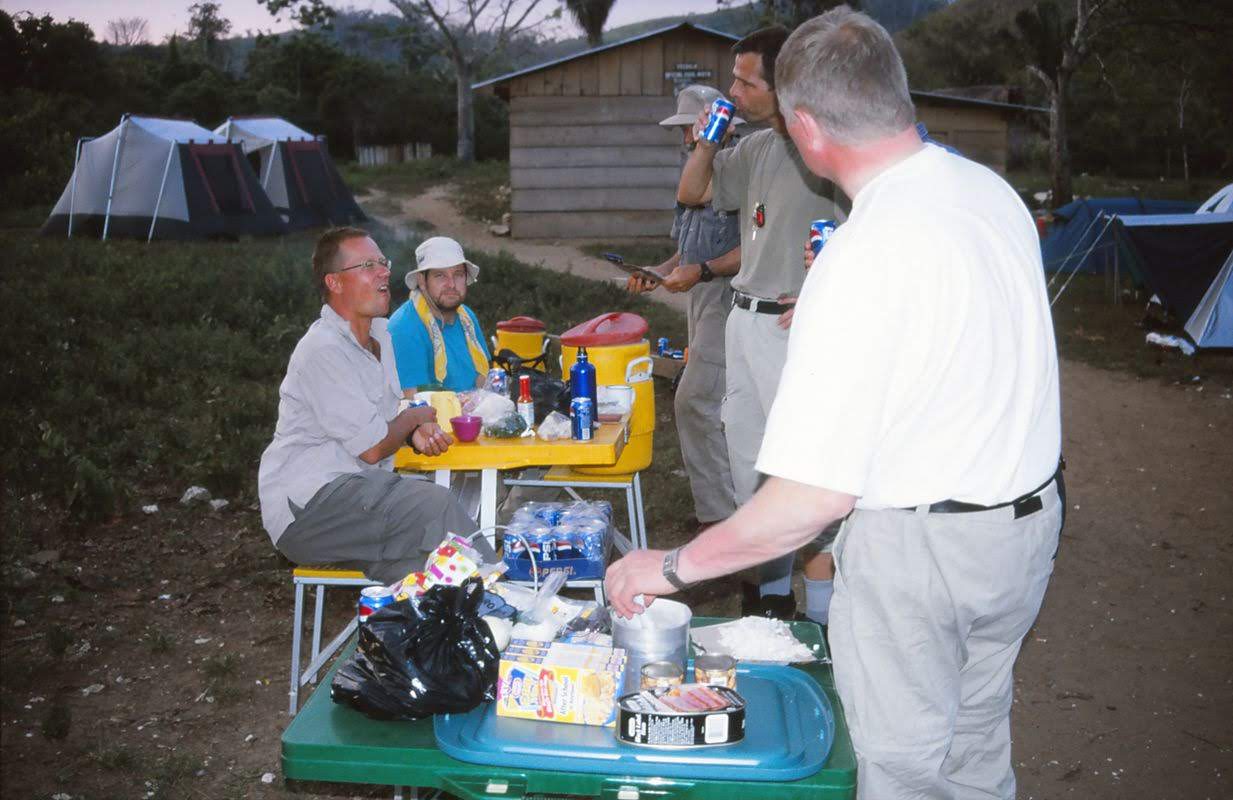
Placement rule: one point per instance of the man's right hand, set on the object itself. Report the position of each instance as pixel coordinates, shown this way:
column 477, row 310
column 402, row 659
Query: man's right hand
column 639, row 285
column 429, row 439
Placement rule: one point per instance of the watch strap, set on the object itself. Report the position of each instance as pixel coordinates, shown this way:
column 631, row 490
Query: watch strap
column 671, row 559
column 707, row 275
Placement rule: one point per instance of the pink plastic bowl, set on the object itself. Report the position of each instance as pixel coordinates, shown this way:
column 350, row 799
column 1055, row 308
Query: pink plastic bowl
column 466, row 428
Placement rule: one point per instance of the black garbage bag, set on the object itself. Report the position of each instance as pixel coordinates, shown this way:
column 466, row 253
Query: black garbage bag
column 422, row 656
column 548, row 393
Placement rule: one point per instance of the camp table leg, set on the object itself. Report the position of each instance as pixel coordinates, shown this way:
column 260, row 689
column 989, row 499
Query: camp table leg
column 296, row 633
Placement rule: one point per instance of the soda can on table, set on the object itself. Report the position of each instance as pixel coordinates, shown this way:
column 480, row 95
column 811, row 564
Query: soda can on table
column 721, row 116
column 581, row 417
column 373, row 598
column 820, row 231
column 661, row 345
column 498, row 381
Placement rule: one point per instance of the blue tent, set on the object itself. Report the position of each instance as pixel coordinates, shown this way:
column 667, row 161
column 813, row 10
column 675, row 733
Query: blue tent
column 1211, row 324
column 1081, row 231
column 1178, row 256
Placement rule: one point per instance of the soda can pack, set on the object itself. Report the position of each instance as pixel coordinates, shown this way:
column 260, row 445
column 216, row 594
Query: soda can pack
column 373, row 598
column 820, row 231
column 581, row 417
column 721, row 117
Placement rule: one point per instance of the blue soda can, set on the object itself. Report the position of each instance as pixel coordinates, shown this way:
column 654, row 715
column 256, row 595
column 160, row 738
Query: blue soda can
column 498, row 380
column 661, row 345
column 581, row 417
column 373, row 598
column 820, row 231
column 721, row 116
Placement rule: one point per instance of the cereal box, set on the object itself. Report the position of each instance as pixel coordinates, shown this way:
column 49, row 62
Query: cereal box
column 556, row 682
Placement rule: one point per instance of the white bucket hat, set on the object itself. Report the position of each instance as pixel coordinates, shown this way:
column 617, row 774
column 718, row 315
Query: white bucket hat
column 440, row 252
column 692, row 101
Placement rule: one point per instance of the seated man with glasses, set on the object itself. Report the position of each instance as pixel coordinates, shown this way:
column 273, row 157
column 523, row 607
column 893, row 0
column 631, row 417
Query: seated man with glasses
column 326, row 483
column 437, row 339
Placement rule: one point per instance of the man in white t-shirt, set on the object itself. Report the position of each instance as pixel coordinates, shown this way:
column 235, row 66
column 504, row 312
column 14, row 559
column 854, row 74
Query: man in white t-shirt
column 929, row 305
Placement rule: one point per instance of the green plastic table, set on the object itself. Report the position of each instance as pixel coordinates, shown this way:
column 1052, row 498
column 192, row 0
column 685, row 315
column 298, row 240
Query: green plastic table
column 329, row 742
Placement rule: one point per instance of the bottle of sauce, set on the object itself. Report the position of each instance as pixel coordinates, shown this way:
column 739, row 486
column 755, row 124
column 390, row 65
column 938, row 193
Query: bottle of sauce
column 526, row 406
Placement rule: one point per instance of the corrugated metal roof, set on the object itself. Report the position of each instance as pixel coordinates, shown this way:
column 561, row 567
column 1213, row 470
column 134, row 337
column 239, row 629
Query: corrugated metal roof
column 649, row 34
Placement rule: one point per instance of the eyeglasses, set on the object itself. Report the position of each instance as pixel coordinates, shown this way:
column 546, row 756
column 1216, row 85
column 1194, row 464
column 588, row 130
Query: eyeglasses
column 370, row 265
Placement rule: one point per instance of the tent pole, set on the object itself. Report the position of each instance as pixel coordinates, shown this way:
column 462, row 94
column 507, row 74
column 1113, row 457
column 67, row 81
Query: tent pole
column 269, row 167
column 171, row 151
column 111, row 187
column 1117, row 272
column 73, row 190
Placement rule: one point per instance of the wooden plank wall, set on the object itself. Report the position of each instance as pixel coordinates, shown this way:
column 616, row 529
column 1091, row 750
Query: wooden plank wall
column 981, row 134
column 587, row 157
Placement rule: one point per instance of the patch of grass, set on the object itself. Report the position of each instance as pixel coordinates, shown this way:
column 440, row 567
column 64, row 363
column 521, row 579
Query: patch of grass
column 57, row 720
column 176, row 769
column 58, row 640
column 483, row 191
column 114, row 759
column 159, row 641
column 409, row 177
column 639, row 252
column 220, row 667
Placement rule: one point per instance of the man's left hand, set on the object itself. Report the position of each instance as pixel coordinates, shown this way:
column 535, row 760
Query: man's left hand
column 683, row 278
column 785, row 319
column 430, row 440
column 639, row 572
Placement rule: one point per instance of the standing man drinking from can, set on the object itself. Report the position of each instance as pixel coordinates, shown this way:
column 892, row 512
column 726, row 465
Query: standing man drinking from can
column 930, row 302
column 775, row 197
column 708, row 255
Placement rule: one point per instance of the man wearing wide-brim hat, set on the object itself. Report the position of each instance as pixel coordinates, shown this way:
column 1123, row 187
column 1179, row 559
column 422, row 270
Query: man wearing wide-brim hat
column 437, row 339
column 707, row 256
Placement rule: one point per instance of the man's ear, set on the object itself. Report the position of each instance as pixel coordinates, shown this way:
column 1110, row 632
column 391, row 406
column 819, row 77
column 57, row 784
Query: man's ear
column 333, row 284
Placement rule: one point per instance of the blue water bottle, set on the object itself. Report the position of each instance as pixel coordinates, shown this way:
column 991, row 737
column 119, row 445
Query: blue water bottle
column 582, row 380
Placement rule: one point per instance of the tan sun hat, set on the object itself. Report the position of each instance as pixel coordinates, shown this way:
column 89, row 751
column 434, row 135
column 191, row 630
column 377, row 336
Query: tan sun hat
column 693, row 100
column 441, row 252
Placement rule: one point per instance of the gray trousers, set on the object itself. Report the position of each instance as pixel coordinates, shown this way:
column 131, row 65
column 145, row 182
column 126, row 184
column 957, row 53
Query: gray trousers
column 925, row 626
column 699, row 397
column 380, row 522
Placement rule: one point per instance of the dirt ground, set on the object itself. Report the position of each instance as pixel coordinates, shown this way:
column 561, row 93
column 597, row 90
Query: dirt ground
column 149, row 656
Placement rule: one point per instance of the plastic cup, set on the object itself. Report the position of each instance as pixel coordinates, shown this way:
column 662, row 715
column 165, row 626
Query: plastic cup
column 466, row 427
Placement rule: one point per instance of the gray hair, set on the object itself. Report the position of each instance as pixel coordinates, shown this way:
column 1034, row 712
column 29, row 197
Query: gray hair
column 842, row 68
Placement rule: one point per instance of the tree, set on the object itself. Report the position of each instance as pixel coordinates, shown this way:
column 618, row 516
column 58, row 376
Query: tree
column 590, row 15
column 472, row 33
column 207, row 26
column 127, row 31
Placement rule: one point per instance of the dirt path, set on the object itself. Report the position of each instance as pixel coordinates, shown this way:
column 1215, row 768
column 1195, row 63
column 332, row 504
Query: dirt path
column 559, row 255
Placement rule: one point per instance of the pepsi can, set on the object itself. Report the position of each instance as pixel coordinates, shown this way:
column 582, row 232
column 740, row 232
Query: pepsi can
column 498, row 381
column 661, row 345
column 373, row 598
column 717, row 124
column 820, row 231
column 581, row 417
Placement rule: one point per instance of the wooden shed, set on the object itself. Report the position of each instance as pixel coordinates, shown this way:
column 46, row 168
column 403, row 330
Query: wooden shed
column 588, row 159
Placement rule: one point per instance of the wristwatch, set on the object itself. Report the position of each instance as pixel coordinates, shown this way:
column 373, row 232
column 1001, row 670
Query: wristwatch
column 670, row 562
column 707, row 276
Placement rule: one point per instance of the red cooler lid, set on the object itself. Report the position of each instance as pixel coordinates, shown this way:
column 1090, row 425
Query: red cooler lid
column 520, row 325
column 613, row 328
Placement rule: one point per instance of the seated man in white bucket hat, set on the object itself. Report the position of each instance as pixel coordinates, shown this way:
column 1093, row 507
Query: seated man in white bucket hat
column 437, row 339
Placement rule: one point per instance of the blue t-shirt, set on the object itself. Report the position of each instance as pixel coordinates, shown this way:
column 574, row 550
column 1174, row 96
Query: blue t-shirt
column 413, row 350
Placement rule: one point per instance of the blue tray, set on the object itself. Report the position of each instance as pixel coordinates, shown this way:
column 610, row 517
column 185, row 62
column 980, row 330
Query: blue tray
column 789, row 729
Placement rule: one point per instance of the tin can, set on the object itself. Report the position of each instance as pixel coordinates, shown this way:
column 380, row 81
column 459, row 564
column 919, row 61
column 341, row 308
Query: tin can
column 498, row 381
column 717, row 124
column 661, row 345
column 581, row 417
column 662, row 675
column 373, row 598
column 820, row 231
column 715, row 669
column 404, row 404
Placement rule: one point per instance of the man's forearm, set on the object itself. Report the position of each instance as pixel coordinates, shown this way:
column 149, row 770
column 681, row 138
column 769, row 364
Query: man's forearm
column 696, row 176
column 728, row 264
column 398, row 429
column 783, row 516
column 670, row 264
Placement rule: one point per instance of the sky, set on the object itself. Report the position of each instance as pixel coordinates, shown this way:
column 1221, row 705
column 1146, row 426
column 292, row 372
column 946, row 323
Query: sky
column 248, row 15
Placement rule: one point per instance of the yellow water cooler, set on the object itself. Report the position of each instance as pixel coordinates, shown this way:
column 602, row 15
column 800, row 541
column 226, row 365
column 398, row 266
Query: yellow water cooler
column 522, row 335
column 617, row 346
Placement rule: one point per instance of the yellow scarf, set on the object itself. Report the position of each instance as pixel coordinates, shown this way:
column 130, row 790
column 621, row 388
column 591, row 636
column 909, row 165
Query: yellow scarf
column 438, row 341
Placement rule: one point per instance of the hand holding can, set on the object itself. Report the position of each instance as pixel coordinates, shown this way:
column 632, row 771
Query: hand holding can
column 717, row 124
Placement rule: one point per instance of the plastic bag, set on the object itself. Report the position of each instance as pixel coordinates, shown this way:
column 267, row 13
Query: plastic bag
column 489, row 405
column 509, row 426
column 422, row 656
column 555, row 426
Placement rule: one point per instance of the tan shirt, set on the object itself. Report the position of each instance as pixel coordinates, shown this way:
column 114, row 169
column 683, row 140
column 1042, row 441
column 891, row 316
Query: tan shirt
column 765, row 168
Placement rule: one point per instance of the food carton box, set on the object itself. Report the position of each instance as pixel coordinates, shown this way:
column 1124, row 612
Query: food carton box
column 553, row 682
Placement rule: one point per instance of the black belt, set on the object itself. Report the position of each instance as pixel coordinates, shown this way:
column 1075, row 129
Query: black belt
column 1023, row 505
column 757, row 304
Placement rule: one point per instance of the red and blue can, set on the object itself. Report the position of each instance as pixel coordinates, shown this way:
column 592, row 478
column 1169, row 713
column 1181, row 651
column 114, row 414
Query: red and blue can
column 498, row 380
column 721, row 117
column 661, row 345
column 820, row 231
column 581, row 417
column 373, row 598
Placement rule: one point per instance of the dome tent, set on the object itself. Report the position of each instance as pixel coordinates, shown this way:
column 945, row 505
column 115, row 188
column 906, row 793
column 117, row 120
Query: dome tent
column 295, row 170
column 164, row 178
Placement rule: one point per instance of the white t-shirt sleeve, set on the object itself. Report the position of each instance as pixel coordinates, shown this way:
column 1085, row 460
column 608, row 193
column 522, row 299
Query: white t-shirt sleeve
column 338, row 401
column 830, row 409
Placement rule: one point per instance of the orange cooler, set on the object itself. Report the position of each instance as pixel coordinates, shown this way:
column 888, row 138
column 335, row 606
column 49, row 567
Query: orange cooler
column 616, row 344
column 523, row 335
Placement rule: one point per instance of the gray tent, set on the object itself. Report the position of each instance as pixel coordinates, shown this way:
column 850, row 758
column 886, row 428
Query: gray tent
column 164, row 178
column 296, row 171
